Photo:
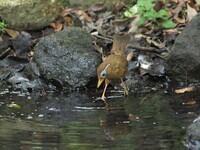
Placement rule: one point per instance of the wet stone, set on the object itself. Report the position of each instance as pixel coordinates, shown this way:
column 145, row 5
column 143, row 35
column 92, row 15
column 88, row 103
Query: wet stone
column 183, row 62
column 67, row 57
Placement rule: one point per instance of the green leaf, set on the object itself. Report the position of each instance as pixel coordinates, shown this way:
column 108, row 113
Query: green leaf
column 150, row 14
column 162, row 14
column 2, row 26
column 14, row 106
column 134, row 9
column 168, row 24
column 131, row 11
column 127, row 14
column 147, row 4
column 141, row 21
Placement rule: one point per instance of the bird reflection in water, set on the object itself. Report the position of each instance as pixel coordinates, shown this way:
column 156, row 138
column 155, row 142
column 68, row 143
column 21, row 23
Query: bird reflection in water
column 116, row 124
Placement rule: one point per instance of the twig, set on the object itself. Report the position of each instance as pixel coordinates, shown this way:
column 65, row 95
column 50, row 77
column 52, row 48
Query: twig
column 5, row 53
column 150, row 49
column 146, row 49
column 104, row 38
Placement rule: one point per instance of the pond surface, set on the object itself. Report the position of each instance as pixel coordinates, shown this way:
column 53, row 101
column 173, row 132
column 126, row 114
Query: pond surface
column 79, row 121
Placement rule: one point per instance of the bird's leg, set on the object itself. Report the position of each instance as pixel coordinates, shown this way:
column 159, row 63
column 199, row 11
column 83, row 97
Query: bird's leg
column 104, row 91
column 125, row 88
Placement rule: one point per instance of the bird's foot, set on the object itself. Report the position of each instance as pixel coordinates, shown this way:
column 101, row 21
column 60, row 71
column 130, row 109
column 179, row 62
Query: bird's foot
column 103, row 98
column 125, row 92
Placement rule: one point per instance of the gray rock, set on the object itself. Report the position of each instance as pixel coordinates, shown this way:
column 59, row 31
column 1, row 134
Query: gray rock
column 183, row 63
column 29, row 14
column 3, row 46
column 193, row 135
column 67, row 57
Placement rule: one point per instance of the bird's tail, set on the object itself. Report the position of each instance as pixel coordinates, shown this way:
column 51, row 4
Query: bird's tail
column 119, row 43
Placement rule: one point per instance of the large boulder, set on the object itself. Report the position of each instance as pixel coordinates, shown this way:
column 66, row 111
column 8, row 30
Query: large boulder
column 183, row 63
column 29, row 14
column 67, row 57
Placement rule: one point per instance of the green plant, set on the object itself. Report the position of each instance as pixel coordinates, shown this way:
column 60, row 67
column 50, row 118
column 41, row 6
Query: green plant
column 2, row 26
column 65, row 2
column 145, row 8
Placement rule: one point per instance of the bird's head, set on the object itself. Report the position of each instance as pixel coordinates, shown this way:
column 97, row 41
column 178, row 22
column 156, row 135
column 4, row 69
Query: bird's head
column 102, row 76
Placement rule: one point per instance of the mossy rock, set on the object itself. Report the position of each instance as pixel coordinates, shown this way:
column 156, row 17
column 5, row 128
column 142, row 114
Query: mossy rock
column 29, row 14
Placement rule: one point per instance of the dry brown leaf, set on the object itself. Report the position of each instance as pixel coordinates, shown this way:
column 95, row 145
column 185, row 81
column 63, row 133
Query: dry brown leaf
column 191, row 12
column 179, row 20
column 179, row 8
column 133, row 26
column 169, row 31
column 12, row 33
column 57, row 26
column 159, row 45
column 176, row 12
column 132, row 117
column 65, row 12
column 129, row 56
column 68, row 19
column 98, row 48
column 191, row 102
column 97, row 7
column 170, row 34
column 83, row 16
column 186, row 89
column 174, row 1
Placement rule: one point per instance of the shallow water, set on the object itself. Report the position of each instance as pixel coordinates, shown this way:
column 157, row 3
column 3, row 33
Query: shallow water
column 79, row 121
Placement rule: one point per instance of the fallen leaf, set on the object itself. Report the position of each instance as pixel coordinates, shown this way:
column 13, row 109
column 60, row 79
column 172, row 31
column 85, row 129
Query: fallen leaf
column 133, row 117
column 198, row 2
column 57, row 26
column 68, row 19
column 120, row 24
column 14, row 105
column 17, row 79
column 170, row 34
column 97, row 7
column 179, row 20
column 129, row 56
column 169, row 31
column 133, row 24
column 83, row 16
column 191, row 102
column 12, row 33
column 191, row 12
column 179, row 8
column 186, row 89
column 145, row 62
column 159, row 45
column 65, row 12
column 98, row 48
column 176, row 12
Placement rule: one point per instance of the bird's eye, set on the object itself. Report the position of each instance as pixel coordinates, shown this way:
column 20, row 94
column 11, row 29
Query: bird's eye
column 103, row 74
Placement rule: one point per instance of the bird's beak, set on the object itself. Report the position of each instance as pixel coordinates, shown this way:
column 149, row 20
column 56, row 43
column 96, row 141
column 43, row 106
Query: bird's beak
column 100, row 80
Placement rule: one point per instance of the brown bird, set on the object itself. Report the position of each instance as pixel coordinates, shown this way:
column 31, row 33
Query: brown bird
column 115, row 65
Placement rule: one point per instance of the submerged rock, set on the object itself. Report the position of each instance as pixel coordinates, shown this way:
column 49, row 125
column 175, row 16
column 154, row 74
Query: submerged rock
column 29, row 14
column 67, row 58
column 193, row 135
column 183, row 63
